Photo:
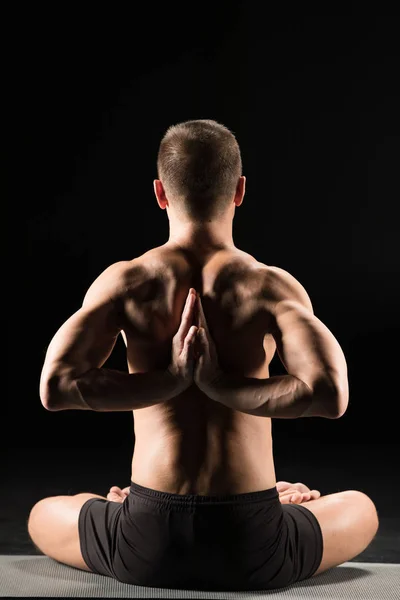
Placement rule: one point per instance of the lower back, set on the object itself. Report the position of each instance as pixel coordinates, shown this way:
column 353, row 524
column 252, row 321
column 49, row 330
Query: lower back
column 192, row 444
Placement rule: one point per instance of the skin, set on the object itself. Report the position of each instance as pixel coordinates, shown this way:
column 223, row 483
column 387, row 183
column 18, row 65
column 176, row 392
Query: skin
column 189, row 443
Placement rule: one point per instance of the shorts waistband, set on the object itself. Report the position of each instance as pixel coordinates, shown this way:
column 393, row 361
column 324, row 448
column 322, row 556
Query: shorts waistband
column 190, row 500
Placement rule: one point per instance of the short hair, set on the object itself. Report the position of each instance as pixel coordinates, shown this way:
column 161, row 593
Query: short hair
column 199, row 165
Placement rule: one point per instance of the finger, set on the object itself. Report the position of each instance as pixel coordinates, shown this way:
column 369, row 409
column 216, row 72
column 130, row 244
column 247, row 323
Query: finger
column 198, row 346
column 191, row 337
column 202, row 317
column 127, row 490
column 202, row 339
column 189, row 345
column 187, row 315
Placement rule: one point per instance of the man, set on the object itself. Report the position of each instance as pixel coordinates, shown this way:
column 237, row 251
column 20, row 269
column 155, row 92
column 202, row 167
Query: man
column 201, row 321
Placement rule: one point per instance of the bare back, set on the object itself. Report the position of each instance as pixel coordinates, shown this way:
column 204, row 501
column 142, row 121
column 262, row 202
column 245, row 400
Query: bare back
column 191, row 444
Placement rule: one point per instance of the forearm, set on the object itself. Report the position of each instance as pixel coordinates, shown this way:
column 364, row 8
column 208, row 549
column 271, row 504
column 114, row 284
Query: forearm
column 282, row 397
column 106, row 390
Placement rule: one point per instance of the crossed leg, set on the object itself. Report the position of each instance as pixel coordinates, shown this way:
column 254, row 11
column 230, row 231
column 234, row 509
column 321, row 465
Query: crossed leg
column 348, row 520
column 53, row 528
column 53, row 525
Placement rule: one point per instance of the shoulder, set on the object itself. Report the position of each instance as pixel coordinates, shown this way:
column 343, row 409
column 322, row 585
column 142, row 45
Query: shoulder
column 114, row 281
column 279, row 285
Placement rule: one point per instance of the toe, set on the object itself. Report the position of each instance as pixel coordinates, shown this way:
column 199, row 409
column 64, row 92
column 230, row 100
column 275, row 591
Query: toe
column 281, row 486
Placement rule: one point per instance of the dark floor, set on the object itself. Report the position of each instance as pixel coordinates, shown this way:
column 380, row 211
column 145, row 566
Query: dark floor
column 31, row 474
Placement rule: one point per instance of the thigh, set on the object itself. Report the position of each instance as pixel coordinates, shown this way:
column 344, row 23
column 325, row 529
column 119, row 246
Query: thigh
column 348, row 522
column 53, row 526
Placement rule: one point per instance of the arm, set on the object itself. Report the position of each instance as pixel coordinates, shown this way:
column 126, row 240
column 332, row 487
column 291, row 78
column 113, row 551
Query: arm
column 316, row 383
column 72, row 377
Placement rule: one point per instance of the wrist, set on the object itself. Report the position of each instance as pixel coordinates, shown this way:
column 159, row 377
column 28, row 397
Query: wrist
column 215, row 388
column 235, row 391
column 178, row 384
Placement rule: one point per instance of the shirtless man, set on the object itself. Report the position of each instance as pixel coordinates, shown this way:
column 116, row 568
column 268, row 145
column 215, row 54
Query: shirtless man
column 201, row 321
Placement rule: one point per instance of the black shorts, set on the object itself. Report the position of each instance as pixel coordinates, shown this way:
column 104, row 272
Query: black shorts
column 226, row 543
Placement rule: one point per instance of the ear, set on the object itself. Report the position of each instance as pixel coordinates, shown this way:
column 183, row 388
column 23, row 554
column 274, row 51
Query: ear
column 240, row 191
column 160, row 194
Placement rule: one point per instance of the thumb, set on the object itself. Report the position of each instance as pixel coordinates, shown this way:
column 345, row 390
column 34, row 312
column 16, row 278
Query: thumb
column 190, row 339
column 191, row 336
column 201, row 338
column 204, row 344
column 200, row 344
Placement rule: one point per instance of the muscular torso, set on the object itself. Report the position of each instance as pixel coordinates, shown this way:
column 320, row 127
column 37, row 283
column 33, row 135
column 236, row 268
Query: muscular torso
column 191, row 444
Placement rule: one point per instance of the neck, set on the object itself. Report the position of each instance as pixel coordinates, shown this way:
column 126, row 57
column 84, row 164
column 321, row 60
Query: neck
column 202, row 237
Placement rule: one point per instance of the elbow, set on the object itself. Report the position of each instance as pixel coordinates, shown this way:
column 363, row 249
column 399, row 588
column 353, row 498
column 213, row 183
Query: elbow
column 50, row 393
column 45, row 400
column 341, row 400
column 45, row 393
column 332, row 397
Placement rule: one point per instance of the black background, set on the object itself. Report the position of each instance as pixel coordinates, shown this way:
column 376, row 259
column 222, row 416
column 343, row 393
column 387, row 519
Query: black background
column 313, row 101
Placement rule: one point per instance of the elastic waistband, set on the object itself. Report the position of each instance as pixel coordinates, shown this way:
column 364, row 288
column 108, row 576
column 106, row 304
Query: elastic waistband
column 190, row 500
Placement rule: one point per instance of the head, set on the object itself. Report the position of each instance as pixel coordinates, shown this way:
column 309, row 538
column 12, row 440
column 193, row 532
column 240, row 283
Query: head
column 200, row 172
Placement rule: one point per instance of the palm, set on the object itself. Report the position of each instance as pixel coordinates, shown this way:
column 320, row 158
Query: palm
column 182, row 359
column 206, row 368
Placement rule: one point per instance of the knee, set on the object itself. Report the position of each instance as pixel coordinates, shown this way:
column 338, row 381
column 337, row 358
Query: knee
column 361, row 498
column 33, row 518
column 366, row 506
column 36, row 510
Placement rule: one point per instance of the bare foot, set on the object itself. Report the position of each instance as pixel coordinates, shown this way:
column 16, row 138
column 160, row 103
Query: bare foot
column 295, row 493
column 117, row 495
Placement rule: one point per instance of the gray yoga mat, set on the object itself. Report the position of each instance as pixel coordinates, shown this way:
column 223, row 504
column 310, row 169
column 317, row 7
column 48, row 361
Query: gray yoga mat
column 40, row 576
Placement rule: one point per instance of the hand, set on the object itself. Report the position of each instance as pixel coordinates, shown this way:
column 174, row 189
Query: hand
column 117, row 495
column 207, row 369
column 182, row 360
column 295, row 493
